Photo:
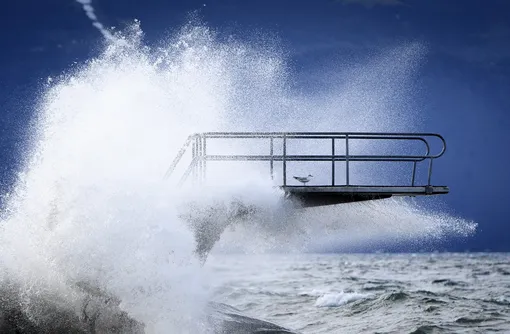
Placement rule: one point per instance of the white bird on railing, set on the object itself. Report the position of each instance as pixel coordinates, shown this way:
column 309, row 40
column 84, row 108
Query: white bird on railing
column 304, row 179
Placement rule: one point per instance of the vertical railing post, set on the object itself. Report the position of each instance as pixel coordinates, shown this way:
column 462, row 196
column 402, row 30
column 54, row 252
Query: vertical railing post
column 193, row 159
column 333, row 161
column 414, row 174
column 346, row 159
column 284, row 160
column 271, row 162
column 199, row 144
column 430, row 172
column 204, row 154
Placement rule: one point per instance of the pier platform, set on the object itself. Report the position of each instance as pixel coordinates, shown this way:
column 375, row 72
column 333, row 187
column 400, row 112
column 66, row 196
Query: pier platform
column 346, row 151
column 310, row 196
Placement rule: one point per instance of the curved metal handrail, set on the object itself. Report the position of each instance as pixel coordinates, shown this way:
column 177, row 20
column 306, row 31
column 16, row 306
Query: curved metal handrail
column 200, row 157
column 335, row 135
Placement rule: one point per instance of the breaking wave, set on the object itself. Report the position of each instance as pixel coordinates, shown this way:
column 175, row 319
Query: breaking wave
column 93, row 239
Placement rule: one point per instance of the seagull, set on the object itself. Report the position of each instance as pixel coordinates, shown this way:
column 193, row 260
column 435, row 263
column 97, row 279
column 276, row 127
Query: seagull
column 303, row 179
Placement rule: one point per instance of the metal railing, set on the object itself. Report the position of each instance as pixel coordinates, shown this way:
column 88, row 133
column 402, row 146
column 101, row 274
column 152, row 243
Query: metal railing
column 200, row 156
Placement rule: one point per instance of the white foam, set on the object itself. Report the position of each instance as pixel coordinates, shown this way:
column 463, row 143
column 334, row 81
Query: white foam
column 339, row 299
column 91, row 205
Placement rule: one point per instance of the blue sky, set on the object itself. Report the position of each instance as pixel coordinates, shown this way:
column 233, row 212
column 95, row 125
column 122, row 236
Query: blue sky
column 464, row 82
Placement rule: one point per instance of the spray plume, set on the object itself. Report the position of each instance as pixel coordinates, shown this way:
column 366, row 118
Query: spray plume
column 90, row 216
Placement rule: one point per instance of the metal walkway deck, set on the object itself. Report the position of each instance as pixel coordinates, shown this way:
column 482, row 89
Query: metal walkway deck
column 340, row 145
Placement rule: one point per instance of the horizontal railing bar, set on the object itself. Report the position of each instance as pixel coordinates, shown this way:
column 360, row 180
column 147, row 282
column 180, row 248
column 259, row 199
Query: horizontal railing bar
column 276, row 134
column 327, row 137
column 313, row 158
column 331, row 135
column 317, row 136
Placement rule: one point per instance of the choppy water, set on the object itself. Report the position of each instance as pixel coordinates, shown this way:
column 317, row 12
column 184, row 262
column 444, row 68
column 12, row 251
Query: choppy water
column 381, row 293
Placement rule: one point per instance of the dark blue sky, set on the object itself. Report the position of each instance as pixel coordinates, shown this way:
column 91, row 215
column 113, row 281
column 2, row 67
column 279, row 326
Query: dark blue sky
column 465, row 81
